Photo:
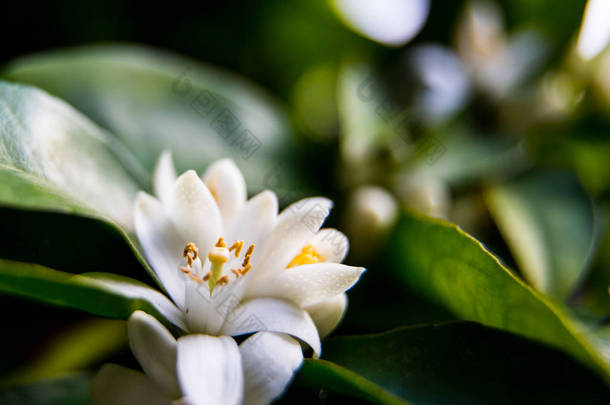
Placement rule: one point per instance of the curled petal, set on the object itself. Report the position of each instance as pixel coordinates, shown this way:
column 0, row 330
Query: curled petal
column 164, row 177
column 272, row 315
column 331, row 244
column 226, row 183
column 210, row 370
column 310, row 284
column 194, row 211
column 155, row 349
column 161, row 243
column 255, row 220
column 295, row 226
column 269, row 361
column 327, row 314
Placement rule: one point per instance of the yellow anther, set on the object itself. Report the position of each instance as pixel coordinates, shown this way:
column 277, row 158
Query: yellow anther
column 221, row 243
column 192, row 275
column 307, row 255
column 191, row 253
column 238, row 245
column 248, row 256
column 207, row 276
column 246, row 269
column 224, row 280
column 237, row 272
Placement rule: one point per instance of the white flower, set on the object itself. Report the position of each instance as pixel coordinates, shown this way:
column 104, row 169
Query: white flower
column 234, row 266
column 194, row 370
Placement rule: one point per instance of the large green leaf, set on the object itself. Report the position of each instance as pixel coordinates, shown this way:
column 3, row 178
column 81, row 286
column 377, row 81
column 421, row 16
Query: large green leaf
column 440, row 261
column 53, row 158
column 104, row 294
column 154, row 101
column 547, row 221
column 456, row 363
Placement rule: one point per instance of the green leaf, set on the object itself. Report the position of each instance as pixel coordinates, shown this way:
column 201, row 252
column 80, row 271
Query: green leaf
column 327, row 375
column 53, row 158
column 440, row 261
column 456, row 363
column 547, row 221
column 66, row 390
column 104, row 294
column 154, row 101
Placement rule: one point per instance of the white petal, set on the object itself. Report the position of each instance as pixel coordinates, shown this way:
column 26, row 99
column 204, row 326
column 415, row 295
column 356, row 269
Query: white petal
column 327, row 314
column 164, row 177
column 117, row 385
column 311, row 283
column 269, row 314
column 295, row 226
column 224, row 179
column 155, row 349
column 161, row 243
column 195, row 213
column 209, row 370
column 205, row 314
column 254, row 221
column 331, row 244
column 269, row 361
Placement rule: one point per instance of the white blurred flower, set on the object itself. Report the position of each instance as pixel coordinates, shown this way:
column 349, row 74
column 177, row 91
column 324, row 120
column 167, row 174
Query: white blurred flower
column 425, row 193
column 497, row 63
column 371, row 213
column 390, row 22
column 444, row 82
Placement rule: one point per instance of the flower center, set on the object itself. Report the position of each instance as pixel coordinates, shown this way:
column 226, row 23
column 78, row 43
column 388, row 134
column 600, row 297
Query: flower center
column 308, row 255
column 218, row 256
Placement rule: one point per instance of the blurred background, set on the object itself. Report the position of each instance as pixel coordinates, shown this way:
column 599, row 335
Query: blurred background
column 494, row 115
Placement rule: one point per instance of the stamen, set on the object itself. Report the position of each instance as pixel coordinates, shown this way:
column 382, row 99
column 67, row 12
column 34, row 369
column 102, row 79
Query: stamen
column 192, row 275
column 237, row 245
column 237, row 272
column 248, row 256
column 221, row 243
column 224, row 280
column 246, row 269
column 191, row 253
column 207, row 276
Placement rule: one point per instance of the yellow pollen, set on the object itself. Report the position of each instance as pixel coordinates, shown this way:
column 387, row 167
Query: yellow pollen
column 237, row 246
column 308, row 255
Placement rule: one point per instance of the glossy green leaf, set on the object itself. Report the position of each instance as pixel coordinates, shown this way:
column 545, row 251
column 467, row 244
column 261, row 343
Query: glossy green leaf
column 154, row 101
column 66, row 390
column 456, row 363
column 53, row 158
column 440, row 261
column 547, row 220
column 104, row 294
